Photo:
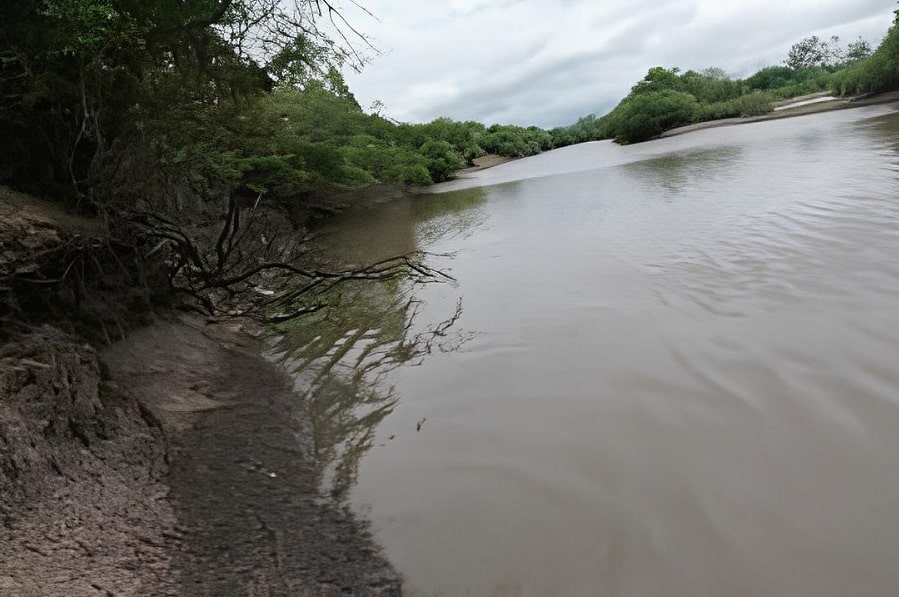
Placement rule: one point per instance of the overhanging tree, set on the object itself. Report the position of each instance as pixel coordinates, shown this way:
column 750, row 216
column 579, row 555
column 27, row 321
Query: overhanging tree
column 75, row 75
column 139, row 109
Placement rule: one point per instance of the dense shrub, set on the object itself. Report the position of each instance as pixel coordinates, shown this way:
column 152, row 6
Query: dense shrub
column 879, row 72
column 754, row 104
column 387, row 161
column 516, row 141
column 647, row 115
column 442, row 159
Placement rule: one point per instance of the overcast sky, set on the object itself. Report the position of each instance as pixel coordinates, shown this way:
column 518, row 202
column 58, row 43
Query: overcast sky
column 548, row 62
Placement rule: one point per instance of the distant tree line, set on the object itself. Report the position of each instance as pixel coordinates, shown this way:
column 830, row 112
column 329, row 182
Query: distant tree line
column 667, row 98
column 322, row 134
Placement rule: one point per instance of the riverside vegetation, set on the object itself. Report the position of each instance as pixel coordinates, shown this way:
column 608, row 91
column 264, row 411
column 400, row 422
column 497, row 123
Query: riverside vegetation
column 112, row 102
column 97, row 95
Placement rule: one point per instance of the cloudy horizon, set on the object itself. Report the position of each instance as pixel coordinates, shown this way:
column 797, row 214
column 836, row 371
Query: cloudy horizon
column 547, row 63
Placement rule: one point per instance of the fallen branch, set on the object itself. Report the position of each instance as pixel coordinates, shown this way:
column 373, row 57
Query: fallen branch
column 246, row 266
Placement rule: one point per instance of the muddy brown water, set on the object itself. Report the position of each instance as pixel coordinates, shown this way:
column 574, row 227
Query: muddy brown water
column 672, row 369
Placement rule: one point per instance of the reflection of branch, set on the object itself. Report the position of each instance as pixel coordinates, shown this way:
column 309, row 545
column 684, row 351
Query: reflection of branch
column 423, row 343
column 344, row 357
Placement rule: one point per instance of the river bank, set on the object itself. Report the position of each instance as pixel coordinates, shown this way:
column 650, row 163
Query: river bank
column 792, row 108
column 171, row 460
column 249, row 517
column 200, row 481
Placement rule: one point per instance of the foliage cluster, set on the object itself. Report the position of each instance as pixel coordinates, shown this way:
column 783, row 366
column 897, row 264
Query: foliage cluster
column 149, row 103
column 667, row 98
column 876, row 73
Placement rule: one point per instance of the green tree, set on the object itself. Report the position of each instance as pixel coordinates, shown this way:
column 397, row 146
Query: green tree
column 646, row 115
column 79, row 76
column 657, row 79
column 879, row 72
column 814, row 52
column 771, row 77
column 858, row 50
column 387, row 161
column 442, row 159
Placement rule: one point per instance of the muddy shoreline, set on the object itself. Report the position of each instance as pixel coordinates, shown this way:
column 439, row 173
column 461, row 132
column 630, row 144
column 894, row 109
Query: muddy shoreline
column 172, row 461
column 250, row 520
column 202, row 484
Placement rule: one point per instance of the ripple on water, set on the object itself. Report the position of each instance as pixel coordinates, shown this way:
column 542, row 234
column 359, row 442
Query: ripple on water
column 683, row 379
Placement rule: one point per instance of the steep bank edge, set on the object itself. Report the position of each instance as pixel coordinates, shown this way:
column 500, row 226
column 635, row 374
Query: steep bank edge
column 81, row 469
column 80, row 462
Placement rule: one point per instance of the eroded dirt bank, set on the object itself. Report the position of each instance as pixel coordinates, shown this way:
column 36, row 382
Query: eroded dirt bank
column 184, row 472
column 171, row 461
column 82, row 492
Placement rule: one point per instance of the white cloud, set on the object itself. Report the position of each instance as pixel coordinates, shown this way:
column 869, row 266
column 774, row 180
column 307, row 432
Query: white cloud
column 547, row 62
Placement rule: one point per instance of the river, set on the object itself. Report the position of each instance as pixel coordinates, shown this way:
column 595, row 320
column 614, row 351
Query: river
column 663, row 369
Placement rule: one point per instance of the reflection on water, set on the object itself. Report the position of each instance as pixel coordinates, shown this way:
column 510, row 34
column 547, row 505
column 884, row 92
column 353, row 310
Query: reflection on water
column 683, row 379
column 449, row 217
column 678, row 173
column 341, row 357
column 338, row 356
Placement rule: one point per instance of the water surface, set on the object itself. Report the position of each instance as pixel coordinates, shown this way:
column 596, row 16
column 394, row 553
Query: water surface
column 672, row 369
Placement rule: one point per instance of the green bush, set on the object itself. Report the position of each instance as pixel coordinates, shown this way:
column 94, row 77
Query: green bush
column 387, row 161
column 879, row 72
column 644, row 116
column 353, row 176
column 324, row 160
column 261, row 172
column 442, row 159
column 413, row 174
column 771, row 77
column 753, row 104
